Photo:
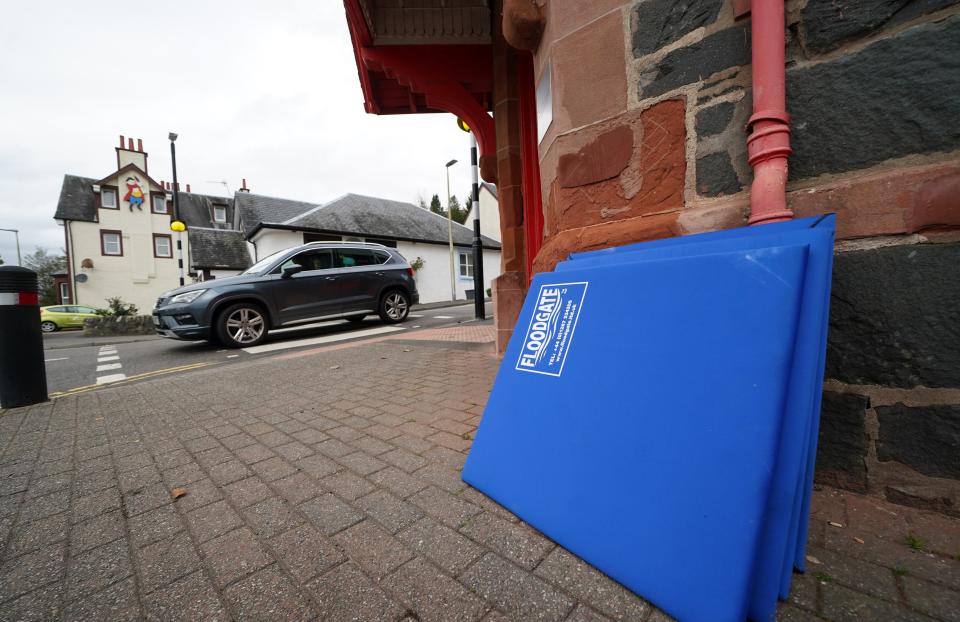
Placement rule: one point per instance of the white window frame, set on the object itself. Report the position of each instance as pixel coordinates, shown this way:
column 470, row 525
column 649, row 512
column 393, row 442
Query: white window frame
column 104, row 235
column 64, row 293
column 216, row 209
column 162, row 201
column 156, row 249
column 465, row 260
column 105, row 192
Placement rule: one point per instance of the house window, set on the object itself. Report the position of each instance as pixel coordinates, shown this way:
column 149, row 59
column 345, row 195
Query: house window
column 159, row 205
column 219, row 213
column 111, row 242
column 64, row 293
column 108, row 198
column 466, row 265
column 162, row 246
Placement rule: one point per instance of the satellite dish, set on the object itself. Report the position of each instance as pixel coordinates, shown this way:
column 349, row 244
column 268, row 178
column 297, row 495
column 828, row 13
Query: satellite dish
column 80, row 278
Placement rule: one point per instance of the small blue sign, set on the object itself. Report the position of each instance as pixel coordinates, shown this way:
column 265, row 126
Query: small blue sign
column 550, row 333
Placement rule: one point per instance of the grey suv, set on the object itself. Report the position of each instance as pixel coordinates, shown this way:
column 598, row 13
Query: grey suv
column 316, row 281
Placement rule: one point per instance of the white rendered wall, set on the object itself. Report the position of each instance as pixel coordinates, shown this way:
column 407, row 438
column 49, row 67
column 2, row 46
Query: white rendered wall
column 433, row 279
column 269, row 241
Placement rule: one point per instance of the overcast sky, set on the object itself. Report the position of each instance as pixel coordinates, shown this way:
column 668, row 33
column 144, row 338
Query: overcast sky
column 262, row 90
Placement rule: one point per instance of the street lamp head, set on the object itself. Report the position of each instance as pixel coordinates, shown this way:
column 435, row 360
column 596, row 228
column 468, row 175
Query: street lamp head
column 451, row 163
column 172, row 136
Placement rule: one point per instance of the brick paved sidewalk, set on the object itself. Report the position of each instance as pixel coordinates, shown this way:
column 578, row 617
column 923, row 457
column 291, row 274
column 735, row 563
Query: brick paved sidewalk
column 327, row 486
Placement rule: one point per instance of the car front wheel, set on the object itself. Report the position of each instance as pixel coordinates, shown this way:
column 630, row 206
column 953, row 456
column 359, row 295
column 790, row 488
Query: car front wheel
column 48, row 326
column 394, row 306
column 241, row 326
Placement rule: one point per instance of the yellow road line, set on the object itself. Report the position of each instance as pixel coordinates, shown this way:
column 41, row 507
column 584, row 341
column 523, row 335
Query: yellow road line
column 158, row 372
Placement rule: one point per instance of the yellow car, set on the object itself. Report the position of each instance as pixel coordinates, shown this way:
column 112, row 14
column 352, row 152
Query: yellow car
column 64, row 316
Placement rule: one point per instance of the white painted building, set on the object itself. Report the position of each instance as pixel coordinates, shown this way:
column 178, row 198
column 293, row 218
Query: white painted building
column 272, row 225
column 489, row 212
column 118, row 239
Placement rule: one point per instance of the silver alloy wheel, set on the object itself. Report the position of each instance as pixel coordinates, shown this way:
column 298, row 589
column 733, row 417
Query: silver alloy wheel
column 396, row 306
column 245, row 325
column 48, row 327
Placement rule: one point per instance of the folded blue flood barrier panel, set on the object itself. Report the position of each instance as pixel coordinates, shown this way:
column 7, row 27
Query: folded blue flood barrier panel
column 783, row 542
column 637, row 418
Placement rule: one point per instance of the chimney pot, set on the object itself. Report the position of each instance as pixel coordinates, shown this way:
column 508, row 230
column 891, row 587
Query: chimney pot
column 122, row 142
column 140, row 145
column 188, row 187
column 129, row 144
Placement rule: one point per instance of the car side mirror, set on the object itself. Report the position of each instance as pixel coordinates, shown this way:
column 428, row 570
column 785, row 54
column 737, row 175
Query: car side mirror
column 289, row 271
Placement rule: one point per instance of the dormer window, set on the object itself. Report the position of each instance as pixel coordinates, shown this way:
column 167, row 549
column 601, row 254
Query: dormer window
column 159, row 204
column 219, row 213
column 108, row 198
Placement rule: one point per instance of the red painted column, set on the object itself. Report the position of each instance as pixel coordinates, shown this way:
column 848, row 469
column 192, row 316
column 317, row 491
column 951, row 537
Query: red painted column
column 768, row 143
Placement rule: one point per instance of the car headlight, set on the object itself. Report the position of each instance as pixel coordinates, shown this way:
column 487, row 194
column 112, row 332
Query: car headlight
column 186, row 297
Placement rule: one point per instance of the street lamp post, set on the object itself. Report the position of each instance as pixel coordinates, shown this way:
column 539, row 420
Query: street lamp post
column 176, row 206
column 16, row 233
column 453, row 282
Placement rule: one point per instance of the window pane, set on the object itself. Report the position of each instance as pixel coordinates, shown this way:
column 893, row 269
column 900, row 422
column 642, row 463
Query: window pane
column 111, row 243
column 382, row 256
column 219, row 214
column 350, row 257
column 159, row 204
column 108, row 198
column 321, row 259
column 162, row 246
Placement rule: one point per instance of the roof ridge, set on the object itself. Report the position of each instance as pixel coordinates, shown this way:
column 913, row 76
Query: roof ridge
column 314, row 209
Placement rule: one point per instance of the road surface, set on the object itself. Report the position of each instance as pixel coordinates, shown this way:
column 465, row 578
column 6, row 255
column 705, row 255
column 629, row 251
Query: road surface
column 75, row 362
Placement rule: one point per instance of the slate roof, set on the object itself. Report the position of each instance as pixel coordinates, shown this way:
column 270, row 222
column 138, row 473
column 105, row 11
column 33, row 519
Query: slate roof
column 77, row 202
column 255, row 209
column 76, row 199
column 217, row 249
column 197, row 210
column 363, row 216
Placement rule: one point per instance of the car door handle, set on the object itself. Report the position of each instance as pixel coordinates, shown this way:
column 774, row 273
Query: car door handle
column 330, row 278
column 378, row 273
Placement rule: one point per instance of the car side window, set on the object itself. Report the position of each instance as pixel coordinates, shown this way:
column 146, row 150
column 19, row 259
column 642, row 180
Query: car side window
column 86, row 310
column 355, row 257
column 57, row 309
column 73, row 310
column 382, row 256
column 317, row 259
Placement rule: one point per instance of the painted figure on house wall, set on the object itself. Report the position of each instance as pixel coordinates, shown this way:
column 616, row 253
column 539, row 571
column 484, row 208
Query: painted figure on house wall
column 134, row 194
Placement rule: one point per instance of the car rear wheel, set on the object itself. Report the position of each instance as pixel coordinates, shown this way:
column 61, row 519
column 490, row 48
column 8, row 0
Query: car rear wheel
column 48, row 326
column 394, row 306
column 242, row 325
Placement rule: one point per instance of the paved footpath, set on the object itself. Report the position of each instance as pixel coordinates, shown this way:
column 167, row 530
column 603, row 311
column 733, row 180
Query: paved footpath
column 306, row 487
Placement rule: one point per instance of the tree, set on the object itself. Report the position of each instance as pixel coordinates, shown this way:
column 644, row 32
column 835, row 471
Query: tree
column 1, row 260
column 459, row 214
column 422, row 203
column 435, row 206
column 46, row 265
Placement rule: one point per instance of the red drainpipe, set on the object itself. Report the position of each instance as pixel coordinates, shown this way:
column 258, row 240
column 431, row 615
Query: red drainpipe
column 768, row 144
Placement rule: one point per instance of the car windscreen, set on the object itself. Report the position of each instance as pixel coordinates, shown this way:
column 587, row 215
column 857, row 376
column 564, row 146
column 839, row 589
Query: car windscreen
column 262, row 265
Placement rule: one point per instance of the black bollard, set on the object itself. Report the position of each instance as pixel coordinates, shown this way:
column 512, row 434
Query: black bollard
column 23, row 376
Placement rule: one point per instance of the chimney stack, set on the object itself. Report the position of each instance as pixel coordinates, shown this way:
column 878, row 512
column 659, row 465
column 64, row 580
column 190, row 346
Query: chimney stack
column 129, row 144
column 244, row 188
column 140, row 145
column 122, row 142
column 188, row 187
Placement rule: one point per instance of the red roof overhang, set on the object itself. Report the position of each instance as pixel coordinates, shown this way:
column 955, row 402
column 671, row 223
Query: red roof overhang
column 405, row 79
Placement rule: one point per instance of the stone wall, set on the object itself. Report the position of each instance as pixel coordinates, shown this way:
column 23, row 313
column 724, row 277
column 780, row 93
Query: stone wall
column 648, row 141
column 111, row 326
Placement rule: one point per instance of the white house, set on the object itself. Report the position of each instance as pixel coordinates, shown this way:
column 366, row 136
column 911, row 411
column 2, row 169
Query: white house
column 119, row 243
column 489, row 212
column 118, row 239
column 270, row 225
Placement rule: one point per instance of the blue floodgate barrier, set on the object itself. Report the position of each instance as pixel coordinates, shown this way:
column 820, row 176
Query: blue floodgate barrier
column 656, row 413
